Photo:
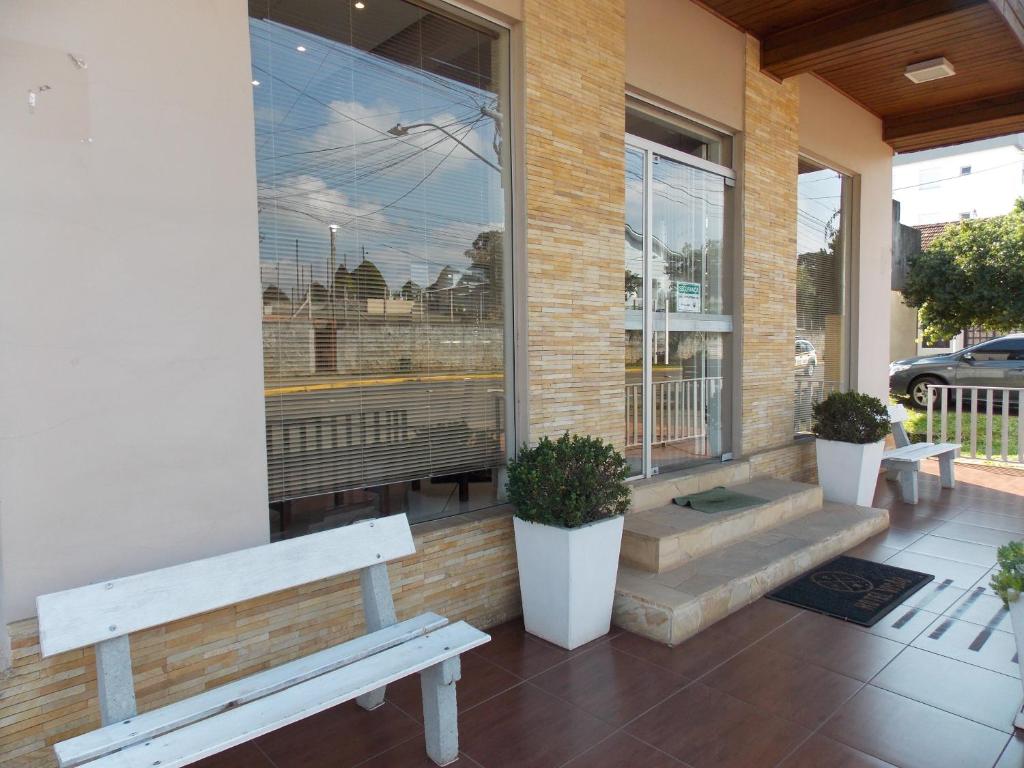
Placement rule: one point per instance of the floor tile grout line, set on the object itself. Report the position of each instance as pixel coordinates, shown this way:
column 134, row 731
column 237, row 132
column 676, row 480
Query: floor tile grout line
column 255, row 743
column 814, row 732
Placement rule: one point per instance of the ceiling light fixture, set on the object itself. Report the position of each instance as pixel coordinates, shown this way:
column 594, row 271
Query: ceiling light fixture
column 300, row 48
column 360, row 5
column 255, row 82
column 933, row 69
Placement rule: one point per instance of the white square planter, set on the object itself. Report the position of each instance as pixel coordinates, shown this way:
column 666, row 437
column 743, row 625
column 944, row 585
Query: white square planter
column 848, row 472
column 567, row 579
column 1017, row 622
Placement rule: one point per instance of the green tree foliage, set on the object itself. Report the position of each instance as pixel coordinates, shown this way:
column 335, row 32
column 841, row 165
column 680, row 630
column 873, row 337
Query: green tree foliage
column 851, row 417
column 568, row 482
column 972, row 275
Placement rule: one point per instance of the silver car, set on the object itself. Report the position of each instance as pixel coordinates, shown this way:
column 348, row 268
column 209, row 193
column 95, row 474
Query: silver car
column 995, row 363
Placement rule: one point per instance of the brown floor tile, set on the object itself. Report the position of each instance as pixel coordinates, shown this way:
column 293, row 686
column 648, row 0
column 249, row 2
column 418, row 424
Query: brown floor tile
column 970, row 643
column 705, row 651
column 973, row 692
column 979, row 606
column 610, row 684
column 784, row 686
column 975, row 534
column 903, row 624
column 983, row 555
column 959, row 575
column 821, row 752
column 709, row 729
column 913, row 735
column 873, row 549
column 526, row 727
column 623, row 751
column 833, row 644
column 935, row 596
column 339, row 737
column 480, row 680
column 522, row 654
column 412, row 754
column 242, row 756
column 1013, row 754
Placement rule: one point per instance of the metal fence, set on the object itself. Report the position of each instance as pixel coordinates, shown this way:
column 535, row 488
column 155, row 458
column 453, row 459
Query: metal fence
column 985, row 421
column 679, row 410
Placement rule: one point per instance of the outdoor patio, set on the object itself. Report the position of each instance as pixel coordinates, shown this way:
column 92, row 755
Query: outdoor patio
column 934, row 684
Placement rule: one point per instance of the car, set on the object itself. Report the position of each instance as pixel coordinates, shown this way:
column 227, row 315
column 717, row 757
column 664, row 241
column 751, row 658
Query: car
column 995, row 363
column 805, row 359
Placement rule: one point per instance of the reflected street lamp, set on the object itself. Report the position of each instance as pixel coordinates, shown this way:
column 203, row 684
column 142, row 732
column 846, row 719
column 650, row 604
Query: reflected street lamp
column 403, row 130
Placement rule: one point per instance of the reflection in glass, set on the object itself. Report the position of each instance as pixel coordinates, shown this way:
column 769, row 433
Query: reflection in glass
column 819, row 349
column 634, row 309
column 686, row 267
column 381, row 193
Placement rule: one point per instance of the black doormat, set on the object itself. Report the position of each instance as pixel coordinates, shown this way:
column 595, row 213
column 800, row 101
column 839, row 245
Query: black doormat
column 852, row 589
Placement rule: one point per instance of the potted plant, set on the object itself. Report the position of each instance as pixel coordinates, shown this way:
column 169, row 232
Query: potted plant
column 569, row 496
column 851, row 429
column 1008, row 583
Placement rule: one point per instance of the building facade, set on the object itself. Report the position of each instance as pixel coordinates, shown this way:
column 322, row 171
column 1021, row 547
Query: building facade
column 280, row 266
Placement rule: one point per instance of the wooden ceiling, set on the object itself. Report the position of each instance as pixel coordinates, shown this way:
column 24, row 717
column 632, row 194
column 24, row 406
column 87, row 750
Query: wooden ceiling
column 862, row 47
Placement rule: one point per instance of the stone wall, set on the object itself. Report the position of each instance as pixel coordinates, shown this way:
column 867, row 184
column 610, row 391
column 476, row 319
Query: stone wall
column 771, row 147
column 463, row 569
column 575, row 183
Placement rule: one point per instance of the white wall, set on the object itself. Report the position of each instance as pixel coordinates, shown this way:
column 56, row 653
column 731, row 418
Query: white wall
column 131, row 408
column 687, row 57
column 837, row 131
column 931, row 189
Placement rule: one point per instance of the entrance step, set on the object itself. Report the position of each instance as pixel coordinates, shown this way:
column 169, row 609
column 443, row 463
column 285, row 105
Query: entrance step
column 662, row 538
column 676, row 604
column 659, row 490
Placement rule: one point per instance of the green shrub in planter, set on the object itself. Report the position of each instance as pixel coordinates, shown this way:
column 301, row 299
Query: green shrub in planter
column 1010, row 576
column 851, row 417
column 568, row 482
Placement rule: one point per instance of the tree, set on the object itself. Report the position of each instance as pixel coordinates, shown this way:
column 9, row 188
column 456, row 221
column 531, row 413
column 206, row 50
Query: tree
column 971, row 276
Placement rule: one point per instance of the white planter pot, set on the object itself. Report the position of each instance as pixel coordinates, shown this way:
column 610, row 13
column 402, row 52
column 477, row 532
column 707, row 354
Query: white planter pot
column 848, row 472
column 567, row 579
column 1017, row 621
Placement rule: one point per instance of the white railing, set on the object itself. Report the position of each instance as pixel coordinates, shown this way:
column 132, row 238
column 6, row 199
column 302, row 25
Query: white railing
column 1001, row 408
column 806, row 394
column 679, row 410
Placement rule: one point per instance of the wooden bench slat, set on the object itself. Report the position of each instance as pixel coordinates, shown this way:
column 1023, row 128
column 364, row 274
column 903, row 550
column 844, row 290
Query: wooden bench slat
column 241, row 724
column 87, row 615
column 148, row 725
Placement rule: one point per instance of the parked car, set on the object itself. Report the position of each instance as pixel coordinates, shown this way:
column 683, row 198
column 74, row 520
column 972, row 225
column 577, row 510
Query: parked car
column 805, row 360
column 995, row 363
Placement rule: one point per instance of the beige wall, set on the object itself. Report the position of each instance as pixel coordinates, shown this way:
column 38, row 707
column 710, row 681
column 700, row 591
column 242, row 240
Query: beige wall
column 131, row 408
column 903, row 333
column 836, row 130
column 685, row 56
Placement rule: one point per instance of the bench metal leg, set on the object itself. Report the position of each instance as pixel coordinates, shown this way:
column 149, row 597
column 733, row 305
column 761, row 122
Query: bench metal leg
column 946, row 470
column 440, row 712
column 908, row 486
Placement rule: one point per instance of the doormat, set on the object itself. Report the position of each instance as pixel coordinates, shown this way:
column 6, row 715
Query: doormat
column 718, row 499
column 855, row 590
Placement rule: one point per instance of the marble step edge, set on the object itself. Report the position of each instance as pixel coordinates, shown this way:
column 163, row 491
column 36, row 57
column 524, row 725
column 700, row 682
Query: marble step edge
column 668, row 616
column 650, row 543
column 661, row 489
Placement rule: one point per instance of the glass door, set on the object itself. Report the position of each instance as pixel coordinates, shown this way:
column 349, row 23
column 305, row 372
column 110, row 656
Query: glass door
column 676, row 319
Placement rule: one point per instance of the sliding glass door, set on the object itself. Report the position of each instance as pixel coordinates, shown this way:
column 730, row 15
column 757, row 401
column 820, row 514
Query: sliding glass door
column 677, row 324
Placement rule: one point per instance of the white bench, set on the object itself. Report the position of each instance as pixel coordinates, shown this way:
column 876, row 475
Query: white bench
column 904, row 461
column 181, row 733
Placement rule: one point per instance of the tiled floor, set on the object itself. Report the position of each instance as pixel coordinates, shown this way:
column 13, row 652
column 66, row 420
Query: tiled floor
column 934, row 684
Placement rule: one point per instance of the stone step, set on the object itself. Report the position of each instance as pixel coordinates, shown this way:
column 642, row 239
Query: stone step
column 659, row 490
column 662, row 538
column 672, row 606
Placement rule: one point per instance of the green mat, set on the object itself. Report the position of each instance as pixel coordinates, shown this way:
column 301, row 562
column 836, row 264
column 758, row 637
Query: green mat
column 718, row 500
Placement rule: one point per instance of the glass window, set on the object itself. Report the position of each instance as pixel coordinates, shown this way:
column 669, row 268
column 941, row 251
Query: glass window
column 382, row 175
column 820, row 362
column 650, row 123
